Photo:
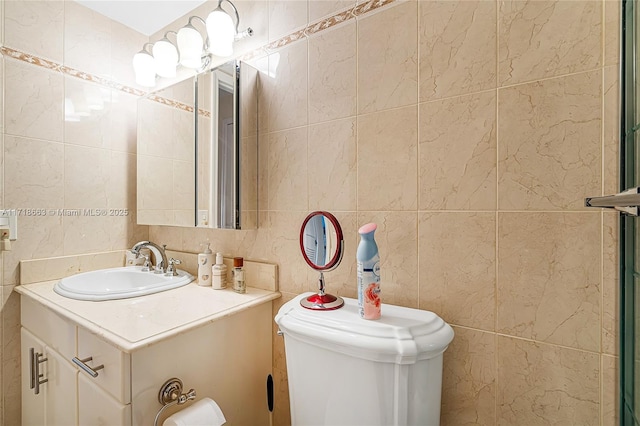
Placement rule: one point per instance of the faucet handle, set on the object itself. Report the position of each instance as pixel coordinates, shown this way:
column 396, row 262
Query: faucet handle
column 146, row 266
column 171, row 270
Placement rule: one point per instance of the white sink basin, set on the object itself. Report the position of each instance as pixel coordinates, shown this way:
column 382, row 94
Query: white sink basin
column 118, row 283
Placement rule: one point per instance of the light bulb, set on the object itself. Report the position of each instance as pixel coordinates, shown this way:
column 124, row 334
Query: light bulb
column 221, row 33
column 144, row 67
column 166, row 58
column 190, row 46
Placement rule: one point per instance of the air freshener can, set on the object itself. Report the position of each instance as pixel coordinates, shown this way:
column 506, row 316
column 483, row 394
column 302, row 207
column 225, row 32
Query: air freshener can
column 368, row 264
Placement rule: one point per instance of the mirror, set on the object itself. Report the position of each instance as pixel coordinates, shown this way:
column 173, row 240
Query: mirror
column 197, row 151
column 322, row 246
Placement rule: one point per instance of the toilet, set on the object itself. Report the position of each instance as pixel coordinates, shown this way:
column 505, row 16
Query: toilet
column 344, row 370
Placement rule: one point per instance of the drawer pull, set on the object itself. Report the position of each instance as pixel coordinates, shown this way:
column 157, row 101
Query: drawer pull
column 92, row 371
column 36, row 377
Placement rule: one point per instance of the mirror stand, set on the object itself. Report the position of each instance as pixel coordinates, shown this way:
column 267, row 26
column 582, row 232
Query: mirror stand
column 322, row 301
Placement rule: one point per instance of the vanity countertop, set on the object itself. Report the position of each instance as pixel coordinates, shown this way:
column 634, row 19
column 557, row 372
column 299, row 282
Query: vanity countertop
column 130, row 324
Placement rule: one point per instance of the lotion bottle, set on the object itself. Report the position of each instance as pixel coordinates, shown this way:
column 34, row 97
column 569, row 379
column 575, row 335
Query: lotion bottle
column 368, row 264
column 205, row 262
column 219, row 273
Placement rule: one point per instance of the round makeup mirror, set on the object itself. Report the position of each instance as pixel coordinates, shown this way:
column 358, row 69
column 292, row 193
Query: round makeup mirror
column 322, row 246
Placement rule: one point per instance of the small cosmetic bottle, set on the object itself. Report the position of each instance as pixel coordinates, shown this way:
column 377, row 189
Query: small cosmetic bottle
column 238, row 275
column 219, row 272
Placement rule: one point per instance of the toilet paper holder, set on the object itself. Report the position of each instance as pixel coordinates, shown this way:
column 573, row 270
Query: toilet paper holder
column 171, row 394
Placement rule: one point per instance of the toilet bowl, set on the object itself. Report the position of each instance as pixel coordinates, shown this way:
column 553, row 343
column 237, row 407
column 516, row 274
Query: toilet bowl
column 344, row 370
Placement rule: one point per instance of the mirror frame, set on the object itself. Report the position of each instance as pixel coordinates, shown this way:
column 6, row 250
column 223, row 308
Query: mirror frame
column 337, row 256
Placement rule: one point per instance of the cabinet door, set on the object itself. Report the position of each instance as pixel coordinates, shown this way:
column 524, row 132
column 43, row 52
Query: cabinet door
column 97, row 408
column 61, row 406
column 32, row 404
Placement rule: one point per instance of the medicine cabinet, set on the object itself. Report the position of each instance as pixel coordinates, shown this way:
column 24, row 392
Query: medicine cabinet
column 197, row 162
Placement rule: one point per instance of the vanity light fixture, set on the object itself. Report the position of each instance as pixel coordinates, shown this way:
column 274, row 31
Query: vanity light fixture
column 190, row 50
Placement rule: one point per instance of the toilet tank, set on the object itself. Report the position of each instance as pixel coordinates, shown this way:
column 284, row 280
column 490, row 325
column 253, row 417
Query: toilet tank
column 344, row 370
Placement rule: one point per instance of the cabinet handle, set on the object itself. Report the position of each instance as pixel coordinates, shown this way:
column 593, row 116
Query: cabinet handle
column 34, row 370
column 93, row 372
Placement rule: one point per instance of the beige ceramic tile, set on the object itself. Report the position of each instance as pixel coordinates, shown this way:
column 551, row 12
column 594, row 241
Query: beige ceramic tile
column 125, row 42
column 1, row 88
column 11, row 388
column 87, row 234
column 1, row 171
column 3, row 291
column 457, row 47
column 610, row 283
column 457, row 153
column 469, row 379
column 183, row 136
column 388, row 58
column 124, row 123
column 542, row 384
column 281, row 412
column 287, row 180
column 611, row 134
column 332, row 73
column 155, row 129
column 87, row 113
column 53, row 268
column 169, row 235
column 156, row 175
column 396, row 237
column 286, row 16
column 35, row 27
column 332, row 165
column 86, row 177
column 549, row 146
column 183, row 186
column 457, row 267
column 387, row 166
column 39, row 237
column 285, row 90
column 87, row 40
column 549, row 277
column 611, row 32
column 283, row 248
column 540, row 39
column 322, row 8
column 610, row 391
column 125, row 231
column 33, row 101
column 33, row 173
column 121, row 187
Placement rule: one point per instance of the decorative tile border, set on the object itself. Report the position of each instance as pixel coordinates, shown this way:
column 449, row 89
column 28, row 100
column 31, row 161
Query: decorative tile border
column 338, row 18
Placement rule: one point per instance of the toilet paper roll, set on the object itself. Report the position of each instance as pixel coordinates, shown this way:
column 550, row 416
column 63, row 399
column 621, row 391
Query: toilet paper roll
column 205, row 412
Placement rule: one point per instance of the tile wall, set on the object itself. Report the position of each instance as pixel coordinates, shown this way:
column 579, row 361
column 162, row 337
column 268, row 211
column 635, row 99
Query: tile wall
column 469, row 131
column 68, row 141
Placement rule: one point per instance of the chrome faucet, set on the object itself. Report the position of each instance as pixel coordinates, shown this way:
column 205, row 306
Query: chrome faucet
column 158, row 252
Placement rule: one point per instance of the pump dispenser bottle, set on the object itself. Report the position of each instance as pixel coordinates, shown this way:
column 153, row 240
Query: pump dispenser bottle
column 205, row 262
column 368, row 264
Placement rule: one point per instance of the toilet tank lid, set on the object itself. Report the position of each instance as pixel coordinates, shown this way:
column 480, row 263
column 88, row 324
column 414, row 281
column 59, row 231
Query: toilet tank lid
column 401, row 336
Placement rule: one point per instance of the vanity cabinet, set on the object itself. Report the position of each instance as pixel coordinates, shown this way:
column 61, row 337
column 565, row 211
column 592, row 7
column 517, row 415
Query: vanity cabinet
column 227, row 360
